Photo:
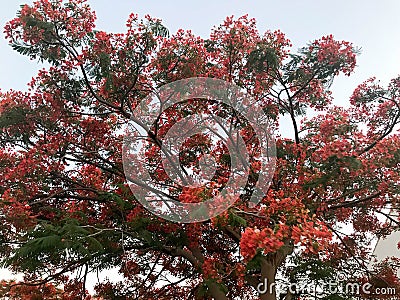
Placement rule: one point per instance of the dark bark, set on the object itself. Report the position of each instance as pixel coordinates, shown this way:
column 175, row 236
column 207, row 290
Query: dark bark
column 268, row 272
column 216, row 292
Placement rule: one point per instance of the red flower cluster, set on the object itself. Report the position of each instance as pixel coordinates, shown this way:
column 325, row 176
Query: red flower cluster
column 254, row 239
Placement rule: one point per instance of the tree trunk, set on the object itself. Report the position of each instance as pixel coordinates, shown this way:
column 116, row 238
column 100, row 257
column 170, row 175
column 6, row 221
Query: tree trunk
column 268, row 272
column 216, row 292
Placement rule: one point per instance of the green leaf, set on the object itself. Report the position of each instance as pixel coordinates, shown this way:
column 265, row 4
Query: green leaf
column 13, row 116
column 262, row 59
column 236, row 220
column 158, row 29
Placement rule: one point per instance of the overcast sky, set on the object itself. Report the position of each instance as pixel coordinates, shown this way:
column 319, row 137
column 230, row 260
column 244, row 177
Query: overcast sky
column 371, row 25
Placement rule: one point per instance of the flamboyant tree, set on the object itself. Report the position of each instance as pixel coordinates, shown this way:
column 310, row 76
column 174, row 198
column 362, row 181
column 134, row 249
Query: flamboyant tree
column 67, row 211
column 14, row 291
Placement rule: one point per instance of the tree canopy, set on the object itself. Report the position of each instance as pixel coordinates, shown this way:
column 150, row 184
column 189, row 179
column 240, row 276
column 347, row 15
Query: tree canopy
column 66, row 209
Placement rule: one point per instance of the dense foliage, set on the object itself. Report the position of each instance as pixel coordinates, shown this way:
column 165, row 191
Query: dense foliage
column 66, row 209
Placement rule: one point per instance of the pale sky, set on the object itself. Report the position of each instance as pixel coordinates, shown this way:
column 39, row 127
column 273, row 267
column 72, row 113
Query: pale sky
column 369, row 24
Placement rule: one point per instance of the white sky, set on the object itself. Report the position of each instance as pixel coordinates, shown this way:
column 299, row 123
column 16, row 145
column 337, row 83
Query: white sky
column 369, row 24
